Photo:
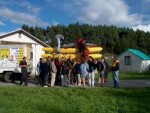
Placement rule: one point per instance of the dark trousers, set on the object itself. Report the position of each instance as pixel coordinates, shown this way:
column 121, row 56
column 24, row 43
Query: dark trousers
column 43, row 79
column 40, row 80
column 24, row 77
column 58, row 78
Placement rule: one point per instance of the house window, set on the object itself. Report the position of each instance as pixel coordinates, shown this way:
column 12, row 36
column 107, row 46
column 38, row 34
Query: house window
column 127, row 60
column 19, row 35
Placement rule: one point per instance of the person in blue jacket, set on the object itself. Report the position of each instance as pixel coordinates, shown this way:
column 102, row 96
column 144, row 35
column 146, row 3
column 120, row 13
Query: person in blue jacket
column 39, row 71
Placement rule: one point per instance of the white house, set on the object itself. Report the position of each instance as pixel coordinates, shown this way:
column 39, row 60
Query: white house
column 132, row 60
column 21, row 37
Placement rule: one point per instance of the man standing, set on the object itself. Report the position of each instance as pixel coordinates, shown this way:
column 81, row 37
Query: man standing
column 39, row 71
column 23, row 65
column 49, row 65
column 101, row 69
column 70, row 64
column 53, row 71
column 115, row 72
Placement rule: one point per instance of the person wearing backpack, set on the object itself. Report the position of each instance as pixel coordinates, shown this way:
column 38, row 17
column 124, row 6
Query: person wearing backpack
column 101, row 69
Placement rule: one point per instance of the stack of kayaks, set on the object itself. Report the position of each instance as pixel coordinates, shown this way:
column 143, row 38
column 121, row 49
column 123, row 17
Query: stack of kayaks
column 71, row 52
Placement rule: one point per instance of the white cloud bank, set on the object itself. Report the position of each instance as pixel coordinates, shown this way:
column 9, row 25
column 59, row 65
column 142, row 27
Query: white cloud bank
column 108, row 12
column 29, row 15
column 20, row 17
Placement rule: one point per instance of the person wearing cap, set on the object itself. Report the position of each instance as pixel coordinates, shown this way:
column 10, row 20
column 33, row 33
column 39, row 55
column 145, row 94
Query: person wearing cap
column 24, row 76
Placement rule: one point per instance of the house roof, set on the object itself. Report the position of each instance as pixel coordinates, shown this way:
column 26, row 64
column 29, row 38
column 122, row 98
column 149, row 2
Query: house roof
column 26, row 34
column 139, row 54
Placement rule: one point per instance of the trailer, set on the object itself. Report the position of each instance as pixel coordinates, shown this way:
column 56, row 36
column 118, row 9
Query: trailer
column 10, row 57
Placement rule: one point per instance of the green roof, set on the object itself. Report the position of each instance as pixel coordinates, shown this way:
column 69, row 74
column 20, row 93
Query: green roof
column 140, row 54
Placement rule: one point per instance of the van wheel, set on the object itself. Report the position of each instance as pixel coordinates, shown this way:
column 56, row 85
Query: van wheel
column 8, row 76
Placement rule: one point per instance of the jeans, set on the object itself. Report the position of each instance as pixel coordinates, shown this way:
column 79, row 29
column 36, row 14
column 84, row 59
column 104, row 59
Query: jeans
column 64, row 80
column 45, row 79
column 91, row 78
column 105, row 74
column 53, row 77
column 24, row 77
column 115, row 78
column 79, row 79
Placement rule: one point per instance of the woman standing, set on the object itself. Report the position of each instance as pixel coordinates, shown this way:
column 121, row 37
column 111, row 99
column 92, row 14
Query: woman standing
column 83, row 69
column 91, row 74
column 64, row 73
column 115, row 72
column 77, row 72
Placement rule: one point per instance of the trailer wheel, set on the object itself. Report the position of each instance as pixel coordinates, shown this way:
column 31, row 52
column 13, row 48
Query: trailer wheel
column 7, row 76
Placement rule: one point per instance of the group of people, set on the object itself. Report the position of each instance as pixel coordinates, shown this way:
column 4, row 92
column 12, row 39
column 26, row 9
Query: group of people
column 64, row 72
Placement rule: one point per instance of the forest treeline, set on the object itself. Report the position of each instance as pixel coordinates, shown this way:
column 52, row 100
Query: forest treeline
column 113, row 39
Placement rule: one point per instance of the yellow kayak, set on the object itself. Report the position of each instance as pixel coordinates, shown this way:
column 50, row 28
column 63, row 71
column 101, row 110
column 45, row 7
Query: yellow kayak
column 73, row 56
column 73, row 50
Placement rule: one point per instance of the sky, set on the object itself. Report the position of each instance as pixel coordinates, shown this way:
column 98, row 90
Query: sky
column 122, row 13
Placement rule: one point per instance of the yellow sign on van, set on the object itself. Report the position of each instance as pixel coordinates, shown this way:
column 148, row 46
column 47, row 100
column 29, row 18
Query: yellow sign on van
column 4, row 53
column 20, row 54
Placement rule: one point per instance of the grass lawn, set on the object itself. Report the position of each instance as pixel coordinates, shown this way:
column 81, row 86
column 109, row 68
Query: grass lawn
column 128, row 76
column 74, row 100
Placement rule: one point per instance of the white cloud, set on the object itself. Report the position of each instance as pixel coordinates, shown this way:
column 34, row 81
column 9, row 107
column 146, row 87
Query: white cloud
column 21, row 17
column 108, row 12
column 142, row 27
column 55, row 23
column 29, row 7
column 1, row 23
column 27, row 14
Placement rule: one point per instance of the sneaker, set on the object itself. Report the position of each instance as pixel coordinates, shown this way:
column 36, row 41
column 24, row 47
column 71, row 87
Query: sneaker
column 79, row 84
column 45, row 86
